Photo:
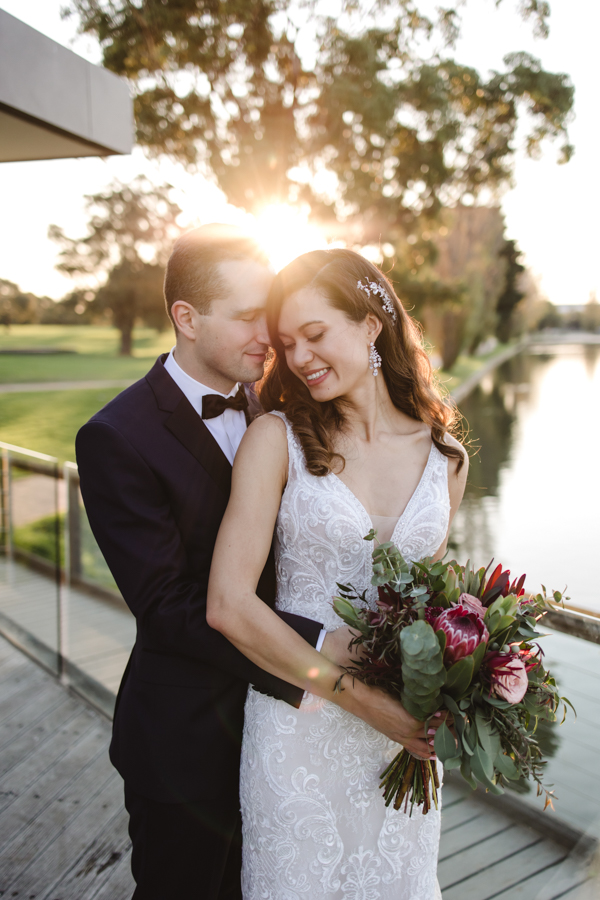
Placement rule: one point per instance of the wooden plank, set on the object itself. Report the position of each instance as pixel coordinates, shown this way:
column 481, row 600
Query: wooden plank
column 487, row 825
column 550, row 884
column 29, row 737
column 459, row 813
column 588, row 890
column 41, row 876
column 120, row 885
column 47, row 824
column 485, row 853
column 511, row 869
column 95, row 868
column 14, row 690
column 453, row 792
column 41, row 775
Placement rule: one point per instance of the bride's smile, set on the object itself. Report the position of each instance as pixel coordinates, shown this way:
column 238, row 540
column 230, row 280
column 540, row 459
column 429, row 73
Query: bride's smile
column 324, row 349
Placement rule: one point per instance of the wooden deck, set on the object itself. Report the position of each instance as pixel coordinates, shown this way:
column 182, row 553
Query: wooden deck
column 63, row 831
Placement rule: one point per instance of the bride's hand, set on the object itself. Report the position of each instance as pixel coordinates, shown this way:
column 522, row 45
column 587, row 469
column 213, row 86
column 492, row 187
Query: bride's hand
column 387, row 715
column 336, row 646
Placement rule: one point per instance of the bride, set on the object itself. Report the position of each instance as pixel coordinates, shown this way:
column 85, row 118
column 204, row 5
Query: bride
column 357, row 437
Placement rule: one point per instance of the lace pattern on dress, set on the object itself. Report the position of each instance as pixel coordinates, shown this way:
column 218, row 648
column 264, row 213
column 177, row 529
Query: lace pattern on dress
column 314, row 821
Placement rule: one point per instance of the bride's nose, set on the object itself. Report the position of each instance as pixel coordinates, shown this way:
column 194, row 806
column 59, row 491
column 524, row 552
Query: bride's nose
column 303, row 354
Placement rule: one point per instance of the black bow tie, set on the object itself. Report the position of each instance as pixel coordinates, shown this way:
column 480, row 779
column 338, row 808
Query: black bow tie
column 213, row 405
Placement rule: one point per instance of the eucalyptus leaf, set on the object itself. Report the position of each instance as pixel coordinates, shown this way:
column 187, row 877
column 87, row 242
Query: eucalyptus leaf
column 506, row 767
column 444, row 743
column 451, row 705
column 441, row 636
column 459, row 677
column 465, row 771
column 478, row 654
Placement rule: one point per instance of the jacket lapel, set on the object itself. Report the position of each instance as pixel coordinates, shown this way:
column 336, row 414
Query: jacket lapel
column 187, row 426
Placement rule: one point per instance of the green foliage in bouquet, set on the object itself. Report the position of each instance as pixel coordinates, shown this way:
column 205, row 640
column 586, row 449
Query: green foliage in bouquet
column 457, row 639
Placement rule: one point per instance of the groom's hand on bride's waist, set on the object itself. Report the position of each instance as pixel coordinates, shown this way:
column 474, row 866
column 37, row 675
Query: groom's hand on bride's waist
column 337, row 646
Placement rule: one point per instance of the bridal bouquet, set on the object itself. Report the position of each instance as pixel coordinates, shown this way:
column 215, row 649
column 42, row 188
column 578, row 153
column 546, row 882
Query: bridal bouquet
column 449, row 637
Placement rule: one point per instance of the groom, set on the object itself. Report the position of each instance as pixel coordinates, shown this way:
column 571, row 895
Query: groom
column 155, row 469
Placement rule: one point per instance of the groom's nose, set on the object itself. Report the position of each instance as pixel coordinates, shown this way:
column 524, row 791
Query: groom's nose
column 262, row 333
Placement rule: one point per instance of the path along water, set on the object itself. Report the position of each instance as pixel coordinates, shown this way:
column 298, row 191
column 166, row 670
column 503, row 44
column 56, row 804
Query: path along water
column 533, row 498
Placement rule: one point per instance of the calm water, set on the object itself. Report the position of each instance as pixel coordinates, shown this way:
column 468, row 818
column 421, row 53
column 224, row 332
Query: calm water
column 533, row 498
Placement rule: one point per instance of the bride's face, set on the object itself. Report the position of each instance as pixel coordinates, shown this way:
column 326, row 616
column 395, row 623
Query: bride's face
column 324, row 349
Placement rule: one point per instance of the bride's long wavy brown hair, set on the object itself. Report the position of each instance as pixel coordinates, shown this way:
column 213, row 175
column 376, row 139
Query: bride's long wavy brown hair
column 405, row 365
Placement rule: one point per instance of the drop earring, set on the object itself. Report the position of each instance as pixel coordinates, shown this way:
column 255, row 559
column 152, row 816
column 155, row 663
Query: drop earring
column 374, row 359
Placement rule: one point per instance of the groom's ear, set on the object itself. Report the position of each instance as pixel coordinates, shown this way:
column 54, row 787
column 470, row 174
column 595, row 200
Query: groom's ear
column 185, row 318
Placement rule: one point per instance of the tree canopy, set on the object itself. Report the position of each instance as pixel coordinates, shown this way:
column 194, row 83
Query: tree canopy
column 265, row 95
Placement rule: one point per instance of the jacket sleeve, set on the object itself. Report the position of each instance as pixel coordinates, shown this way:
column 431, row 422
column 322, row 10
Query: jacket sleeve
column 132, row 521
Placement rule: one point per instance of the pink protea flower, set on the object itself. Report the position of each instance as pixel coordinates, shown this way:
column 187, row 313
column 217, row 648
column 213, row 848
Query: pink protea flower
column 464, row 632
column 508, row 676
column 473, row 604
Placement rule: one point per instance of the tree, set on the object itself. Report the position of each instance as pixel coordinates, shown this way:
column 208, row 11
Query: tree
column 236, row 88
column 468, row 272
column 512, row 294
column 130, row 233
column 20, row 308
column 590, row 318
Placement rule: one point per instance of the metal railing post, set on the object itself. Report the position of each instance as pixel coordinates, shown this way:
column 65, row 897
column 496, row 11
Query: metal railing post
column 5, row 490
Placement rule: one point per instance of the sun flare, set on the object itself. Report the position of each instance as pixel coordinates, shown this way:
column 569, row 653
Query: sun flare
column 285, row 232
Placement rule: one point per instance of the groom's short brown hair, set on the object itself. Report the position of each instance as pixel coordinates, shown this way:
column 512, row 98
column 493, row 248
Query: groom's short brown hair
column 192, row 274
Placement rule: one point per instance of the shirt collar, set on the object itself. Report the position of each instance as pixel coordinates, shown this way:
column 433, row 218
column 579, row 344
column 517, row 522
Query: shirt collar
column 193, row 390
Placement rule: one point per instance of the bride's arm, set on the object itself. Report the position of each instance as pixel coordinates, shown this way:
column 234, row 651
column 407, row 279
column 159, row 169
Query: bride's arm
column 456, row 487
column 234, row 609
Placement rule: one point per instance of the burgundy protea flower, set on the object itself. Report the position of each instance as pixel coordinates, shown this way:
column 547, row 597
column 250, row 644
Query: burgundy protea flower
column 464, row 632
column 508, row 676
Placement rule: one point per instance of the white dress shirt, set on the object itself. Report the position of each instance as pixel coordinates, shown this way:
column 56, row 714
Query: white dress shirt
column 228, row 429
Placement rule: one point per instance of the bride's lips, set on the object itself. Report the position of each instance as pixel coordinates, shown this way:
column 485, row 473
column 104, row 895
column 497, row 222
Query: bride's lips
column 321, row 374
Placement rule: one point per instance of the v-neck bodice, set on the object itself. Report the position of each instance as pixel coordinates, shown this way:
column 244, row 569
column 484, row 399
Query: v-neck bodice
column 321, row 528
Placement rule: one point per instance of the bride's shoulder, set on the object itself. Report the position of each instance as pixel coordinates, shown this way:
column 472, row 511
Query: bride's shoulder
column 454, row 462
column 267, row 429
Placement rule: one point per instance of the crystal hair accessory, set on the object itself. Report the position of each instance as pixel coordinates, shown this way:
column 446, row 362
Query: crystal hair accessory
column 373, row 287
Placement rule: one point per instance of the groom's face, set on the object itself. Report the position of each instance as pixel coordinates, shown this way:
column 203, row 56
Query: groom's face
column 232, row 339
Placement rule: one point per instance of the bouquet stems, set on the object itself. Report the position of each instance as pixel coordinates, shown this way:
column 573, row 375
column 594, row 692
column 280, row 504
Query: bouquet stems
column 411, row 780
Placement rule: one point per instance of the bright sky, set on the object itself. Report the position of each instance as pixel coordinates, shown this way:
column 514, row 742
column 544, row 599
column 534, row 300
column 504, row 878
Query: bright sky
column 552, row 211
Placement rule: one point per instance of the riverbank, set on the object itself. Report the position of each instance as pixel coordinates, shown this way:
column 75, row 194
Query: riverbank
column 470, row 371
column 463, row 386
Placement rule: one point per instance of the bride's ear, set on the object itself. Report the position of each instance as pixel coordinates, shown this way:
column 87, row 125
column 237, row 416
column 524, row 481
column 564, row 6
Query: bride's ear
column 374, row 326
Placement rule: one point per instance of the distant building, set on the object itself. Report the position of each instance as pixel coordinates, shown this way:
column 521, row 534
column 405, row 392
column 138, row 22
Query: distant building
column 54, row 104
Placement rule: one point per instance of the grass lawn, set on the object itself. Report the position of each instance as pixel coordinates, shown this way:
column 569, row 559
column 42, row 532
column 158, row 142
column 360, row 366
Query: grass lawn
column 48, row 421
column 95, row 356
column 39, row 538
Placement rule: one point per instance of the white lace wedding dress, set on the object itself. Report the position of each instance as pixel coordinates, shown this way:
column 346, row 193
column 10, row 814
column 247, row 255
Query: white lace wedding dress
column 314, row 821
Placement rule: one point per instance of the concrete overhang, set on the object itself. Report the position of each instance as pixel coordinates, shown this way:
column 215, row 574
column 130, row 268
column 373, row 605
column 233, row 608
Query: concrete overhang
column 53, row 103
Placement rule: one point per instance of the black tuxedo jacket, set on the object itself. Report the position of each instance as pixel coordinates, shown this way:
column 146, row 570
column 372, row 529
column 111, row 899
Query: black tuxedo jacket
column 155, row 484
